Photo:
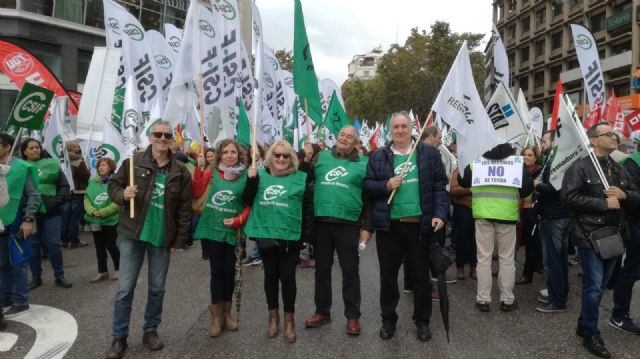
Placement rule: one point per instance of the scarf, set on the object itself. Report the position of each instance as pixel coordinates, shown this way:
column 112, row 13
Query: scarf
column 231, row 173
column 276, row 173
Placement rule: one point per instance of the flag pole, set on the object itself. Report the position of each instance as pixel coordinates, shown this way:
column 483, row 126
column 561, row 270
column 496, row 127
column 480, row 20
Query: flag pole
column 415, row 146
column 306, row 116
column 15, row 143
column 132, row 184
column 201, row 111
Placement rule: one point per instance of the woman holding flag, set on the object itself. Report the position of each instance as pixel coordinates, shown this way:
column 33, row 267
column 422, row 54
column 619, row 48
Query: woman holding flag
column 102, row 213
column 281, row 219
column 219, row 227
column 54, row 189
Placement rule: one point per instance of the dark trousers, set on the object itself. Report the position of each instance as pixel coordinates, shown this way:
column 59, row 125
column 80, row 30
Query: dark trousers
column 72, row 212
column 464, row 236
column 404, row 239
column 222, row 262
column 344, row 239
column 105, row 240
column 280, row 268
column 629, row 274
column 532, row 244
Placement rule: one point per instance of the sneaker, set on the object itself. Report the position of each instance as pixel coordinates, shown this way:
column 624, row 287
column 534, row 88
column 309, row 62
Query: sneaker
column 15, row 309
column 625, row 325
column 80, row 244
column 542, row 299
column 250, row 261
column 550, row 308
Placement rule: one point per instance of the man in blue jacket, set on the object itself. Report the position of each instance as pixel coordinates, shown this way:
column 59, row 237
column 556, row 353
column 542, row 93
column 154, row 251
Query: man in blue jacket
column 419, row 208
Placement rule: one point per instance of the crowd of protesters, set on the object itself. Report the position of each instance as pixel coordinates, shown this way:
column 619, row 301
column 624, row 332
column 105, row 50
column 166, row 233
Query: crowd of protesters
column 305, row 206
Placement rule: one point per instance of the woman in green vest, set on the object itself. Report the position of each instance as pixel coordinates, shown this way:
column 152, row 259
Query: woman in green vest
column 281, row 219
column 54, row 189
column 223, row 214
column 102, row 213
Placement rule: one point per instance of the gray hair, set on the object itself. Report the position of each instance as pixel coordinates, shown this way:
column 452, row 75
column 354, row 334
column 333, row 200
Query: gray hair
column 404, row 114
column 161, row 123
column 593, row 130
column 354, row 130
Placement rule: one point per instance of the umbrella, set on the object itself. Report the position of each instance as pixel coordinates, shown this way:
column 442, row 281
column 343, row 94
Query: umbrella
column 439, row 265
column 237, row 289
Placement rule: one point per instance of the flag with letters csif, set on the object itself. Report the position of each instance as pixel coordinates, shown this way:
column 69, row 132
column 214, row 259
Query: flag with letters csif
column 30, row 107
column 459, row 104
column 589, row 60
column 305, row 81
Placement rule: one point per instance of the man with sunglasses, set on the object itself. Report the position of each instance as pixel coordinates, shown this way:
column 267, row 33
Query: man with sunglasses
column 406, row 227
column 593, row 207
column 162, row 194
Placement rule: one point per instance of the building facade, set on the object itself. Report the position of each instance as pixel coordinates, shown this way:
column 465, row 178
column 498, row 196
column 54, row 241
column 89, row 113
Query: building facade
column 539, row 43
column 364, row 67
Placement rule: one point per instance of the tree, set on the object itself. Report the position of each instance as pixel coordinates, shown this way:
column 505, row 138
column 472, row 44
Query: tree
column 285, row 57
column 410, row 75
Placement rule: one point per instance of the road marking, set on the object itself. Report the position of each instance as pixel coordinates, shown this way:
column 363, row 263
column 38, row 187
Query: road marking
column 56, row 331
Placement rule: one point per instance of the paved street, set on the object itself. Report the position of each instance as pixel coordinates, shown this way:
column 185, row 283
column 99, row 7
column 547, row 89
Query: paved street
column 522, row 334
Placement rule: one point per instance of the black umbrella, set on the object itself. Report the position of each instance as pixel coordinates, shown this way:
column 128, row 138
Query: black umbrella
column 439, row 265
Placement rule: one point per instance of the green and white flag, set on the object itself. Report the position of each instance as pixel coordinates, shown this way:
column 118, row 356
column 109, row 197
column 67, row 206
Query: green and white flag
column 336, row 117
column 305, row 81
column 57, row 135
column 113, row 147
column 244, row 131
column 30, row 107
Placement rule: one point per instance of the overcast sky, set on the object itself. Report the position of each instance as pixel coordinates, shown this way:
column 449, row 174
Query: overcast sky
column 340, row 29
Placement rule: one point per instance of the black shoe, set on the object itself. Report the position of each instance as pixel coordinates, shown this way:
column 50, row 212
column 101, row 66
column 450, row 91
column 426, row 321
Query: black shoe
column 580, row 332
column 63, row 283
column 388, row 330
column 483, row 307
column 117, row 348
column 15, row 309
column 3, row 325
column 152, row 341
column 595, row 346
column 35, row 283
column 422, row 332
column 504, row 307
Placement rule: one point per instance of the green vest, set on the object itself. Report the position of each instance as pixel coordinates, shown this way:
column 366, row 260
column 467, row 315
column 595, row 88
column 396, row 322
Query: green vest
column 224, row 201
column 495, row 202
column 338, row 187
column 153, row 227
column 407, row 199
column 277, row 208
column 97, row 195
column 635, row 158
column 16, row 179
column 48, row 171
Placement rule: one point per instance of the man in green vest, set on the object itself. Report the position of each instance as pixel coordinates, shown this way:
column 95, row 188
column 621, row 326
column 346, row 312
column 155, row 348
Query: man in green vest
column 162, row 195
column 18, row 219
column 341, row 215
column 496, row 211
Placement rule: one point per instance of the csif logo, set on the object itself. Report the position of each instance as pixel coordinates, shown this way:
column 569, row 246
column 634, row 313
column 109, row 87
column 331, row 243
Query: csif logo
column 163, row 62
column 336, row 173
column 56, row 146
column 158, row 190
column 405, row 169
column 273, row 192
column 224, row 8
column 18, row 64
column 268, row 80
column 221, row 198
column 113, row 25
column 29, row 106
column 134, row 32
column 583, row 42
column 174, row 43
column 106, row 150
column 274, row 64
column 207, row 29
column 101, row 199
column 289, row 81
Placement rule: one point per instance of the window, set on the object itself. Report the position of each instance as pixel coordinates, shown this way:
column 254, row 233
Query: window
column 598, row 22
column 538, row 79
column 512, row 6
column 539, row 48
column 540, row 16
column 11, row 4
column 42, row 7
column 524, row 54
column 622, row 89
column 500, row 12
column 70, row 10
column 554, row 74
column 573, row 64
column 557, row 7
column 526, row 23
column 95, row 14
column 524, row 84
column 620, row 48
column 512, row 32
column 556, row 40
column 575, row 4
column 84, row 59
column 7, row 98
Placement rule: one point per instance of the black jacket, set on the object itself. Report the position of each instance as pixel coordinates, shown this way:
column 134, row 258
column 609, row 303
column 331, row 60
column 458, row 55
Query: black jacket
column 434, row 200
column 52, row 204
column 633, row 172
column 548, row 199
column 583, row 195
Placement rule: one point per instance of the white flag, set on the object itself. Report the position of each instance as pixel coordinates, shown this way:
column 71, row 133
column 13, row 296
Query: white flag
column 500, row 59
column 57, row 135
column 114, row 146
column 589, row 60
column 458, row 103
column 165, row 60
column 273, row 94
column 504, row 115
column 523, row 111
column 173, row 36
column 567, row 146
column 327, row 87
column 538, row 120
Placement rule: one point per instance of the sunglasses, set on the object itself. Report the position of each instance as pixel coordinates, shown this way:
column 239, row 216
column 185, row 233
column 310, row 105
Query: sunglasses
column 286, row 156
column 608, row 134
column 159, row 135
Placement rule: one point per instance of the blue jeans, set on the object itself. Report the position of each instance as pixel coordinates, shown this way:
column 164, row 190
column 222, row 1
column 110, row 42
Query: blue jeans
column 72, row 212
column 596, row 274
column 131, row 258
column 629, row 274
column 14, row 279
column 555, row 245
column 47, row 237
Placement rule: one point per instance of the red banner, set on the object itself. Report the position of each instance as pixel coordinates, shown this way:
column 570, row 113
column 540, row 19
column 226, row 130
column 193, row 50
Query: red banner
column 633, row 120
column 21, row 66
column 75, row 96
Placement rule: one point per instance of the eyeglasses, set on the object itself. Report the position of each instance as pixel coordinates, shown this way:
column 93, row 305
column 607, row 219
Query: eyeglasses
column 608, row 134
column 286, row 156
column 158, row 135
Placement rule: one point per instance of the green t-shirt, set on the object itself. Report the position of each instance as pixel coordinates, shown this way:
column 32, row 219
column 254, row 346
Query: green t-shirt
column 224, row 201
column 406, row 202
column 153, row 228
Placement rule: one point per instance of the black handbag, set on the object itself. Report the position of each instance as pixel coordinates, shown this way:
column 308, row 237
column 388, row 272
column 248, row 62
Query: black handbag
column 607, row 242
column 267, row 243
